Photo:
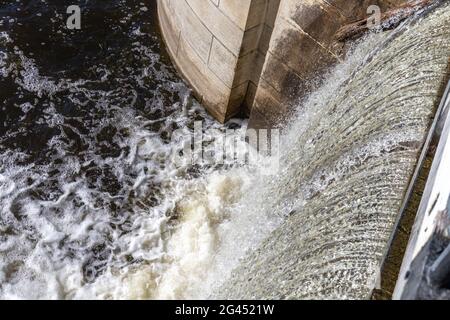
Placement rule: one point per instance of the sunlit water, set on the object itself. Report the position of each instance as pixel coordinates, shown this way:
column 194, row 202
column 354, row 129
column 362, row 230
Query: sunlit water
column 92, row 204
column 349, row 154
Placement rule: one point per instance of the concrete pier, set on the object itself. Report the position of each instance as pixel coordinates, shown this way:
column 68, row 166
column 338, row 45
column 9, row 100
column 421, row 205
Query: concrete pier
column 219, row 47
column 255, row 57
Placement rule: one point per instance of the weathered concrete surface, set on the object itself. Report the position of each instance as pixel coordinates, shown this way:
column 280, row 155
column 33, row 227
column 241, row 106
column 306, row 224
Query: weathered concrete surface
column 222, row 47
column 219, row 47
column 301, row 48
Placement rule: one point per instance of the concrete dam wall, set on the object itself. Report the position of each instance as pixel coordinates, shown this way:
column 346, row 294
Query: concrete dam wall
column 254, row 57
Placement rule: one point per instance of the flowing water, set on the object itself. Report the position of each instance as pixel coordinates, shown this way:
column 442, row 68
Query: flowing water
column 93, row 205
column 349, row 156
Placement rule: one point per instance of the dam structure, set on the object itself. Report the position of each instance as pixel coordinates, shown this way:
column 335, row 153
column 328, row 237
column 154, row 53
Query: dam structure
column 356, row 121
column 127, row 160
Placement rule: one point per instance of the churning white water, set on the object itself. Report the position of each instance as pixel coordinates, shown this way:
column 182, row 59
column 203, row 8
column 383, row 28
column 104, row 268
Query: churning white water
column 100, row 208
column 94, row 202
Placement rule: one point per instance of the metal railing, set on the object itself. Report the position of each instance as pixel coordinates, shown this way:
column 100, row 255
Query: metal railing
column 425, row 266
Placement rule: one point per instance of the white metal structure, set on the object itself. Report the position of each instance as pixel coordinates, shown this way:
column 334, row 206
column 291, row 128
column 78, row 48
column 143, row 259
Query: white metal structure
column 435, row 197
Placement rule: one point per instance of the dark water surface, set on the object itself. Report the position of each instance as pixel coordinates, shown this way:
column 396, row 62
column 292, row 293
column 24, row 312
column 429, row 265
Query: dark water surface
column 116, row 59
column 86, row 181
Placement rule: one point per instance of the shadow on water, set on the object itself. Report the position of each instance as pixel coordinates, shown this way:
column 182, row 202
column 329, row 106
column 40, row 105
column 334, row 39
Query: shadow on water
column 77, row 107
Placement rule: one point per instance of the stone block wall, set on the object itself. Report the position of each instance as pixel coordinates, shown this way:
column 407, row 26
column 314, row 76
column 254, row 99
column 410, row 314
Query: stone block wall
column 219, row 47
column 301, row 48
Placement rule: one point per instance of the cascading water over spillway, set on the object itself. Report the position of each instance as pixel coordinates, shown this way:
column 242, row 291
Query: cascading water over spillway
column 92, row 204
column 349, row 155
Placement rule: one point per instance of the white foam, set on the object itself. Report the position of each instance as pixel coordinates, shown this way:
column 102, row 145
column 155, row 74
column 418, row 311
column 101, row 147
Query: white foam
column 180, row 247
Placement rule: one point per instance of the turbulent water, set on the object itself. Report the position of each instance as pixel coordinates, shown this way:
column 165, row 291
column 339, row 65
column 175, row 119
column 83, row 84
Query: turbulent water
column 93, row 205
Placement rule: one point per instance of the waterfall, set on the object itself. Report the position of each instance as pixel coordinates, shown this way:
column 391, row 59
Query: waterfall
column 347, row 159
